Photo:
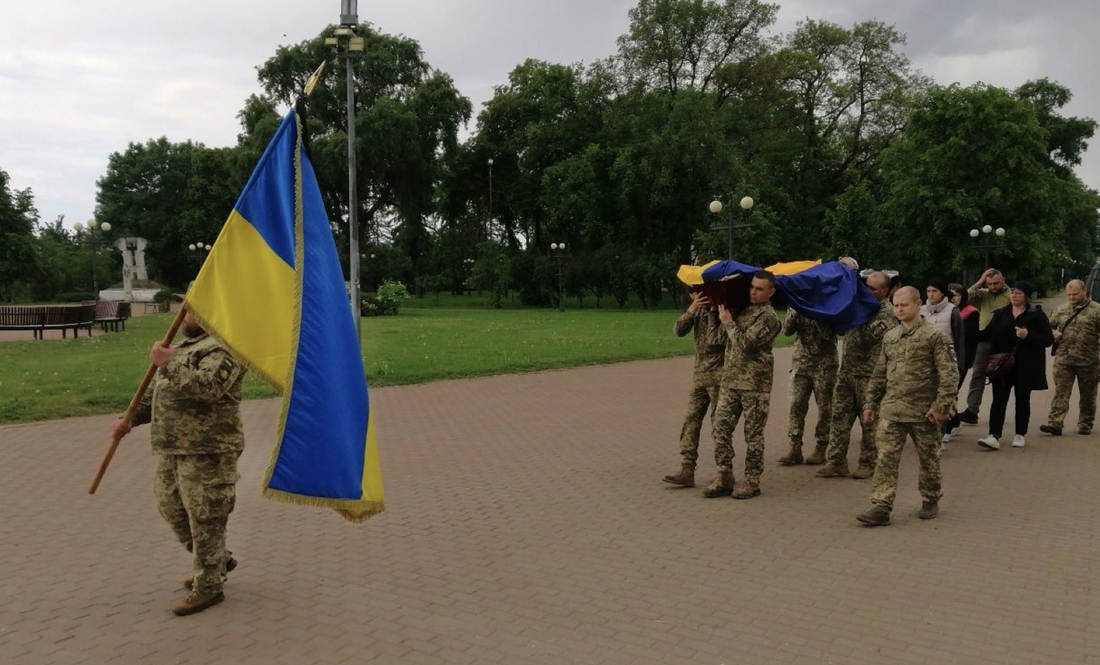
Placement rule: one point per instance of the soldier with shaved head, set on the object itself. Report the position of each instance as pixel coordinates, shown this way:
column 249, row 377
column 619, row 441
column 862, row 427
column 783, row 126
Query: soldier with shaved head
column 1076, row 354
column 910, row 395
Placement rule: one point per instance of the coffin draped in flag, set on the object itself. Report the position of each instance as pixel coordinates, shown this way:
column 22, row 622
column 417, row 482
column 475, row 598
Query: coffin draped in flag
column 273, row 292
column 830, row 292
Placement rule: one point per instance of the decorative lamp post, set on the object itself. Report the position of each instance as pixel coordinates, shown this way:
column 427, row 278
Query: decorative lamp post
column 93, row 235
column 199, row 251
column 346, row 43
column 557, row 250
column 987, row 242
column 731, row 223
column 489, row 233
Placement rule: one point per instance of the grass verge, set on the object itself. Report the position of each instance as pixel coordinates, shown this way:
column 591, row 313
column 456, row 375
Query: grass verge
column 44, row 380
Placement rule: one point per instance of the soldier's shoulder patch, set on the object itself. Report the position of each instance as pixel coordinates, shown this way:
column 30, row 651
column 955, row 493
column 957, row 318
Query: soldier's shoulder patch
column 226, row 368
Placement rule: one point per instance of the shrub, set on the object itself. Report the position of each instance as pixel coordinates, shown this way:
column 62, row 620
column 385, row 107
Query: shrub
column 385, row 301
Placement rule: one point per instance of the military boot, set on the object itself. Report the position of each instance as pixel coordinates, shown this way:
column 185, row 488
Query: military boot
column 722, row 485
column 863, row 472
column 833, row 470
column 818, row 455
column 746, row 489
column 197, row 601
column 929, row 510
column 876, row 516
column 230, row 564
column 686, row 477
column 793, row 456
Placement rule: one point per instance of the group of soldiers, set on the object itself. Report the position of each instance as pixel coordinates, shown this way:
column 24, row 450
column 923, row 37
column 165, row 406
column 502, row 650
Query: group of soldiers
column 898, row 375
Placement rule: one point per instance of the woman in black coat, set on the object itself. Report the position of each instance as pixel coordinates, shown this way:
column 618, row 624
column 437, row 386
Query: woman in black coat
column 1023, row 328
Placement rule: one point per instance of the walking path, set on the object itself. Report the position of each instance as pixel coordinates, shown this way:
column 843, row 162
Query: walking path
column 527, row 523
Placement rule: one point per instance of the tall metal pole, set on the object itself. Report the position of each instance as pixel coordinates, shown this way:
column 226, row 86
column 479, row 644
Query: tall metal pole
column 561, row 282
column 729, row 252
column 489, row 225
column 353, row 207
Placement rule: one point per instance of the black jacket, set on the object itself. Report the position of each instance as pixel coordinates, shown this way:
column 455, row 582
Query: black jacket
column 1031, row 368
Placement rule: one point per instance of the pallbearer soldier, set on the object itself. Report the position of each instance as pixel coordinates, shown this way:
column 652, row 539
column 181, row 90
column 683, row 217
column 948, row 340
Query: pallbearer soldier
column 813, row 371
column 861, row 348
column 910, row 394
column 1076, row 327
column 710, row 349
column 745, row 388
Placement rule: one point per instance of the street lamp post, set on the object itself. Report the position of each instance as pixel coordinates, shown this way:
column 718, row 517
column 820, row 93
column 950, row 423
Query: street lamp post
column 557, row 250
column 987, row 242
column 349, row 45
column 731, row 223
column 489, row 233
column 93, row 235
column 199, row 250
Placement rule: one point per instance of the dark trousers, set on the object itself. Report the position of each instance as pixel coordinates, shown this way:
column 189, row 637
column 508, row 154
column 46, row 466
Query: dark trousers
column 1001, row 391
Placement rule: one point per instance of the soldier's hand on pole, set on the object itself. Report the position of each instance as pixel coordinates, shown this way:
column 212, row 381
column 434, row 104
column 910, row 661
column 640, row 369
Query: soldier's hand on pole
column 160, row 354
column 120, row 428
column 868, row 416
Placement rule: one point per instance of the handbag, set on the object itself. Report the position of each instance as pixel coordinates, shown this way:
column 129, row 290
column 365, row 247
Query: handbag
column 999, row 366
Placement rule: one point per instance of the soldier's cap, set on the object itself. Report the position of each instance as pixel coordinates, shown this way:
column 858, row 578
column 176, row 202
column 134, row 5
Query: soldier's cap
column 180, row 297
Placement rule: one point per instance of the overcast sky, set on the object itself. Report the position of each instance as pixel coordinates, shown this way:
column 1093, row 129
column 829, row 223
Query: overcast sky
column 80, row 79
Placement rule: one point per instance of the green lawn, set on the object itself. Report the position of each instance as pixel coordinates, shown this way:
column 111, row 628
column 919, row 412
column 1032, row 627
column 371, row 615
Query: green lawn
column 42, row 380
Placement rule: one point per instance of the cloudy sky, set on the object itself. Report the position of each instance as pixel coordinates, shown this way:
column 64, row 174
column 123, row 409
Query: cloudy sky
column 81, row 79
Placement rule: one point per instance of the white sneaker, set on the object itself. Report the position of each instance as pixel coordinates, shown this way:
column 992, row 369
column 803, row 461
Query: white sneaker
column 945, row 440
column 991, row 442
column 1018, row 441
column 955, row 431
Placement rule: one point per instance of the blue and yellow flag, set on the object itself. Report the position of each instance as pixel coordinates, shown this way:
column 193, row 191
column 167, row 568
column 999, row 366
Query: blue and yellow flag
column 273, row 292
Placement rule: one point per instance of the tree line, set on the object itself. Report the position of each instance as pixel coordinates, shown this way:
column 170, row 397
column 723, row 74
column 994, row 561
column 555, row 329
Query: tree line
column 845, row 147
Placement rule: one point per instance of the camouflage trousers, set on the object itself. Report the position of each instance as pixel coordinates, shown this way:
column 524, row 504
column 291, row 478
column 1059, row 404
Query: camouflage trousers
column 891, row 439
column 1064, row 376
column 703, row 397
column 804, row 381
column 195, row 494
column 731, row 405
column 848, row 407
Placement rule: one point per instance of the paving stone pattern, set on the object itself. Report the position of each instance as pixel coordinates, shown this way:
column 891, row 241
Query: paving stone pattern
column 528, row 523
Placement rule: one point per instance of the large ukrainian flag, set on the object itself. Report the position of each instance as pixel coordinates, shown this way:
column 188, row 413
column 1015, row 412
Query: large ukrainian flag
column 272, row 290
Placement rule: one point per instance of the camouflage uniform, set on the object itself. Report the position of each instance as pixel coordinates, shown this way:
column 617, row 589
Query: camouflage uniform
column 710, row 350
column 917, row 371
column 195, row 416
column 1078, row 358
column 813, row 370
column 861, row 348
column 746, row 386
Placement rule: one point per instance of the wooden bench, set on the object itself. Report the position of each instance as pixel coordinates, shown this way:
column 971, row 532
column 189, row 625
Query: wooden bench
column 111, row 314
column 40, row 318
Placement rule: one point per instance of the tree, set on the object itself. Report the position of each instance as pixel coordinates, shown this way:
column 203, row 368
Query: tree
column 969, row 157
column 172, row 194
column 18, row 217
column 407, row 118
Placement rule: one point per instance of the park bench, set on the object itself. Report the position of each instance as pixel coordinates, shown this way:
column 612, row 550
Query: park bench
column 40, row 318
column 112, row 314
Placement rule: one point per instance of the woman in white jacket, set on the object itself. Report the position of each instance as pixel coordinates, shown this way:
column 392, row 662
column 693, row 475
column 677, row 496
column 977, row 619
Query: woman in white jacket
column 939, row 311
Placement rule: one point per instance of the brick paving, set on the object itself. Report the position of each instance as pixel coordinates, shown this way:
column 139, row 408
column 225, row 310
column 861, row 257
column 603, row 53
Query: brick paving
column 527, row 523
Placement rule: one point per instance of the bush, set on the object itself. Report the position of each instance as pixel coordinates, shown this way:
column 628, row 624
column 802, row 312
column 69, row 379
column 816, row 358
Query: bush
column 74, row 296
column 386, row 301
column 164, row 296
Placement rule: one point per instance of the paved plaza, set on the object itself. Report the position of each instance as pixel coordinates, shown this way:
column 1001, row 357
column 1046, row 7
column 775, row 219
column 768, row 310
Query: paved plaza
column 527, row 523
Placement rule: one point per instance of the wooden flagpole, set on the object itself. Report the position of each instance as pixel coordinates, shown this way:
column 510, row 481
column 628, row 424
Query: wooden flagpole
column 136, row 401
